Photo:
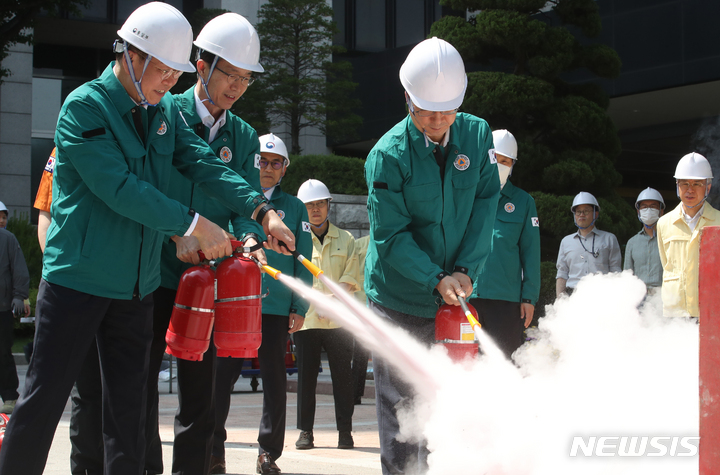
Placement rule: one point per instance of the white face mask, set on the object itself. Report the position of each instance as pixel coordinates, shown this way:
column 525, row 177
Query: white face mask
column 504, row 172
column 649, row 216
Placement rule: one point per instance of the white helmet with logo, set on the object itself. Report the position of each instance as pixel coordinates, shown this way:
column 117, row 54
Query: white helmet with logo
column 273, row 144
column 505, row 143
column 650, row 194
column 584, row 198
column 161, row 31
column 693, row 166
column 313, row 190
column 434, row 76
column 232, row 37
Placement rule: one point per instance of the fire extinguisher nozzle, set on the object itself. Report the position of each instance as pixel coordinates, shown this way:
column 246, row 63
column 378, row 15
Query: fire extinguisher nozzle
column 272, row 272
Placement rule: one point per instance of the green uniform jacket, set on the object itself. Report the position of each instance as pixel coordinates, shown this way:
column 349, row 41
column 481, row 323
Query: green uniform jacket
column 238, row 146
column 420, row 226
column 109, row 211
column 512, row 270
column 281, row 300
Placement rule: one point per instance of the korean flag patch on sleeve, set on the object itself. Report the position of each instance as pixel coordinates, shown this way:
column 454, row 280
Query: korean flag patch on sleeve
column 493, row 158
column 306, row 226
column 535, row 222
column 257, row 160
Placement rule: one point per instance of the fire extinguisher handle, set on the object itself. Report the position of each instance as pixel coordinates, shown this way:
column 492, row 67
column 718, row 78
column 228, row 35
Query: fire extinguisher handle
column 295, row 253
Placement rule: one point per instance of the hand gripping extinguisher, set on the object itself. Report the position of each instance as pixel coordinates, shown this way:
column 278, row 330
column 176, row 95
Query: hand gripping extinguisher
column 238, row 305
column 455, row 333
column 188, row 336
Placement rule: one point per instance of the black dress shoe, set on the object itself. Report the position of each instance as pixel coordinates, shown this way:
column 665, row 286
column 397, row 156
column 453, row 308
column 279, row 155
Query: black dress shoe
column 266, row 465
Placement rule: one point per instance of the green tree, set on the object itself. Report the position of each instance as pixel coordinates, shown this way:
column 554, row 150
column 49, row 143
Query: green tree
column 567, row 142
column 17, row 18
column 306, row 88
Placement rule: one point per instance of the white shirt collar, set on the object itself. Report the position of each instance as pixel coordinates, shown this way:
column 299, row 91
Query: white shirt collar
column 269, row 192
column 446, row 140
column 692, row 221
column 207, row 119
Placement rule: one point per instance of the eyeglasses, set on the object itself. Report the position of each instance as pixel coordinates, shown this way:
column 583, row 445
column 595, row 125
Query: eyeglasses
column 165, row 74
column 583, row 212
column 233, row 78
column 697, row 185
column 653, row 206
column 322, row 204
column 276, row 165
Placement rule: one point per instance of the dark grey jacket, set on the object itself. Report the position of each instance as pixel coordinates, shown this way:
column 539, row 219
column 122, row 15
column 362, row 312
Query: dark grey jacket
column 14, row 276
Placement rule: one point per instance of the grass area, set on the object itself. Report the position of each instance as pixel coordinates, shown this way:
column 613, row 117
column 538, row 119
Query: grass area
column 19, row 343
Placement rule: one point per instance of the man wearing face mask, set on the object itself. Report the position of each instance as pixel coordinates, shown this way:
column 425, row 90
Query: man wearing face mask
column 508, row 286
column 641, row 252
column 587, row 251
column 678, row 236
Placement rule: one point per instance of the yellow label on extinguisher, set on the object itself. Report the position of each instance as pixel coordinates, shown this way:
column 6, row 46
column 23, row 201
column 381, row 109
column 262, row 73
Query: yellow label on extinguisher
column 466, row 332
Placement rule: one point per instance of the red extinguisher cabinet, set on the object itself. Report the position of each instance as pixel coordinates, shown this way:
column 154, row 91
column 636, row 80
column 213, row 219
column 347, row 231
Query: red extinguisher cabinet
column 191, row 323
column 238, row 308
column 454, row 332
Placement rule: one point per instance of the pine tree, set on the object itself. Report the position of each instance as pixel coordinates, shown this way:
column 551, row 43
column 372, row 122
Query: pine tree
column 528, row 50
column 306, row 89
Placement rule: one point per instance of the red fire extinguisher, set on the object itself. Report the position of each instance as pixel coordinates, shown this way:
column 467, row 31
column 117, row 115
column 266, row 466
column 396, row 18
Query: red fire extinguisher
column 191, row 323
column 3, row 424
column 454, row 332
column 238, row 306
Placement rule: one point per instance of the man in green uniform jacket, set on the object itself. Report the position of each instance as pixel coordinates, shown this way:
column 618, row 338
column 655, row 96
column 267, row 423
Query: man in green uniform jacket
column 509, row 284
column 229, row 52
column 283, row 312
column 433, row 192
column 102, row 257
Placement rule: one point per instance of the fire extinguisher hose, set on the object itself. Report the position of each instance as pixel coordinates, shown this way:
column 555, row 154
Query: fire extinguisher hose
column 473, row 321
column 314, row 270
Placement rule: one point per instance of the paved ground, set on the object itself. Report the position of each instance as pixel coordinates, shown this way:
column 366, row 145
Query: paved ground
column 242, row 426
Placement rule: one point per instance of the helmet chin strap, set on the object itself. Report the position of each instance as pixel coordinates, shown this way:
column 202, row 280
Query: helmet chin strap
column 137, row 83
column 411, row 108
column 580, row 227
column 205, row 83
column 695, row 206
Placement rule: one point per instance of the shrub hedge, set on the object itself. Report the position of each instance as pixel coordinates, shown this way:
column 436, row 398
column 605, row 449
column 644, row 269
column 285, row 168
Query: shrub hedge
column 345, row 175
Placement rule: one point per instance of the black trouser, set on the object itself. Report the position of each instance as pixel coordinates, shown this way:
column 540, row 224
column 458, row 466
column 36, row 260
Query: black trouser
column 8, row 371
column 338, row 344
column 501, row 320
column 195, row 416
column 86, row 443
column 271, row 355
column 67, row 321
column 359, row 369
column 390, row 390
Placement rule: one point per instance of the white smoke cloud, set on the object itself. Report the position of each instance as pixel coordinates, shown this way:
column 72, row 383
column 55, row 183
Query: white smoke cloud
column 598, row 367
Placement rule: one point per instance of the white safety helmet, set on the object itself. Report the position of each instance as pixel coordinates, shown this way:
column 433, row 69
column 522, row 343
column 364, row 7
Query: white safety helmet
column 313, row 190
column 650, row 194
column 271, row 143
column 693, row 166
column 161, row 31
column 433, row 75
column 232, row 37
column 584, row 198
column 505, row 143
column 3, row 207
